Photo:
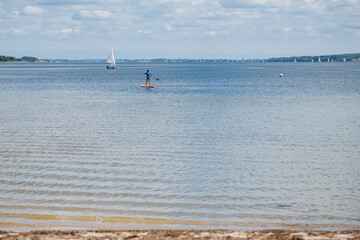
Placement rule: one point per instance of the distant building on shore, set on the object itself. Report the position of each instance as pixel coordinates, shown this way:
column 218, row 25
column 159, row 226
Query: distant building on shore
column 352, row 57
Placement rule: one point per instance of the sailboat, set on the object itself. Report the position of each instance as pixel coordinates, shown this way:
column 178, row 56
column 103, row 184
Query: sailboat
column 111, row 60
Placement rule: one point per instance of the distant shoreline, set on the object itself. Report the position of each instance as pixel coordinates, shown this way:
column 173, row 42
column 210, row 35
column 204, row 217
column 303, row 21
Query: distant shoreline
column 352, row 57
column 23, row 59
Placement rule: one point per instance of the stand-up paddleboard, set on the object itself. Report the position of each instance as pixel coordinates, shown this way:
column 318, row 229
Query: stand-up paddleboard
column 147, row 86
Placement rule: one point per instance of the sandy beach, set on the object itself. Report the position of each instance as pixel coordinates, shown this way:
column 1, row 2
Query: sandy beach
column 181, row 234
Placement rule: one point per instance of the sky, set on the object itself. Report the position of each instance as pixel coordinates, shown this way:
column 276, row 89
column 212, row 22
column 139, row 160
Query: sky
column 232, row 29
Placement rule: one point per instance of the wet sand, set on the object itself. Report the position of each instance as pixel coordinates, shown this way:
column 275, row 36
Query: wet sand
column 181, row 234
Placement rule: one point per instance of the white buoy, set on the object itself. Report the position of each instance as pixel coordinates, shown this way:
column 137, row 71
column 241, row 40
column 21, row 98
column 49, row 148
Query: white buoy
column 281, row 75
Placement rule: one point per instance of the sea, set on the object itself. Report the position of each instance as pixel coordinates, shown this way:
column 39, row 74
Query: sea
column 212, row 146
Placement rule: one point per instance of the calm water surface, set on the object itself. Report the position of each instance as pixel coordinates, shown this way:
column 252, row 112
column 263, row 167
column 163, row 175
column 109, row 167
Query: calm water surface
column 212, row 146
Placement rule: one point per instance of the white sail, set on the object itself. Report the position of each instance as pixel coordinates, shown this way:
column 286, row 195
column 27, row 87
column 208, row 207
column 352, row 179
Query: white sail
column 111, row 60
column 108, row 60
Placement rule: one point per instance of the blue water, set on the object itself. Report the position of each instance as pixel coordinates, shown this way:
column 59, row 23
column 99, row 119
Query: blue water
column 212, row 146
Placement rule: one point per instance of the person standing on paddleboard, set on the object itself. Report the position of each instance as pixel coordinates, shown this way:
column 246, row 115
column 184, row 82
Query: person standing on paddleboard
column 148, row 76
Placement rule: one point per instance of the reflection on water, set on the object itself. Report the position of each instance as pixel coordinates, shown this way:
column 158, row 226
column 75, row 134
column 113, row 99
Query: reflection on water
column 213, row 146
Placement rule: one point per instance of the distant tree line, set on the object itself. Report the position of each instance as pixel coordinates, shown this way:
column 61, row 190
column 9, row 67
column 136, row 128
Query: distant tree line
column 28, row 59
column 23, row 59
column 6, row 58
column 323, row 58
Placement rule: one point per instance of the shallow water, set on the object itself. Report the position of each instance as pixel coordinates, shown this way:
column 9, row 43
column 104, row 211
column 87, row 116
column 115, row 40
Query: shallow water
column 212, row 146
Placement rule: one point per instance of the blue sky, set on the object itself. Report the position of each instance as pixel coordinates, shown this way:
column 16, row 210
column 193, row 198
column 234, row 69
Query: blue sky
column 235, row 29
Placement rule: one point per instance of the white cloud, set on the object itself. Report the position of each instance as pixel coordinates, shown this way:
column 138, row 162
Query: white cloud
column 33, row 10
column 167, row 27
column 216, row 34
column 250, row 3
column 70, row 2
column 146, row 31
column 14, row 13
column 18, row 31
column 94, row 14
column 59, row 33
